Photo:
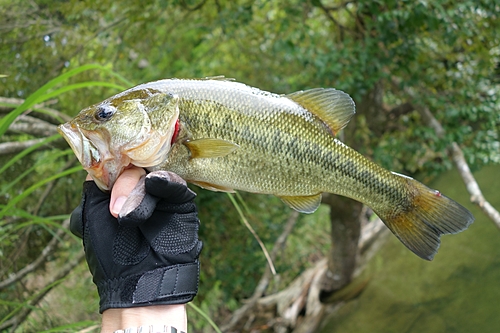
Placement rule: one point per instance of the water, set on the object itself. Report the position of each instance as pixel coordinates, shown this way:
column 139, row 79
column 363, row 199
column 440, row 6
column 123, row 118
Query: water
column 458, row 292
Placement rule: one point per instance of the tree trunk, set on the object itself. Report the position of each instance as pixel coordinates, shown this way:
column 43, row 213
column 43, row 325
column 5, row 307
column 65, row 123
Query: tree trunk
column 345, row 232
column 372, row 108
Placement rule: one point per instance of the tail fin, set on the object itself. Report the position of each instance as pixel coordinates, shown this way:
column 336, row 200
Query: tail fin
column 428, row 216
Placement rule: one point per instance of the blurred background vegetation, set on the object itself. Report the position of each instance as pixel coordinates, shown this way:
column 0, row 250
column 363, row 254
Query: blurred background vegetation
column 392, row 57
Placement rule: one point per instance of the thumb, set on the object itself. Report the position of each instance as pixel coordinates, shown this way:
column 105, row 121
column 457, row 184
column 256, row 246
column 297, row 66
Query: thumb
column 123, row 187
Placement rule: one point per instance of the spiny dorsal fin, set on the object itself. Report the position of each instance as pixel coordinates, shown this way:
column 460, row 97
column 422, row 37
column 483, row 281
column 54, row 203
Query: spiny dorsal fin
column 333, row 106
column 303, row 204
column 209, row 148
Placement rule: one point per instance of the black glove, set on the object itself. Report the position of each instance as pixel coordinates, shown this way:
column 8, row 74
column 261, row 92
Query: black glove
column 149, row 255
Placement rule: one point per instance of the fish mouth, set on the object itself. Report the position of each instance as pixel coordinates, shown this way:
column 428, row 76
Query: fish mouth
column 96, row 160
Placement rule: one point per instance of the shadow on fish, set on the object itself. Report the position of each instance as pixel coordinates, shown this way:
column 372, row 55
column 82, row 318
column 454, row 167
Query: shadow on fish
column 224, row 136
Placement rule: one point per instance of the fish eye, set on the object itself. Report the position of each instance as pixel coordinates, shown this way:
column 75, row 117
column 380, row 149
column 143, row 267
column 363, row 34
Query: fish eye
column 104, row 112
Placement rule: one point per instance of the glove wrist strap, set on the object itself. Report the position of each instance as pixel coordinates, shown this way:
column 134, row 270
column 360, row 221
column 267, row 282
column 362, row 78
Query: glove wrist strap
column 171, row 282
column 175, row 284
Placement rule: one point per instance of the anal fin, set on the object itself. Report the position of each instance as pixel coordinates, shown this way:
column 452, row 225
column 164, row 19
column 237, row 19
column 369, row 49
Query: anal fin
column 303, row 204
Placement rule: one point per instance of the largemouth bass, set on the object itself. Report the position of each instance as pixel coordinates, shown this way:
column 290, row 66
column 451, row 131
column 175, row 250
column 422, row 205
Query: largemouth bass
column 226, row 136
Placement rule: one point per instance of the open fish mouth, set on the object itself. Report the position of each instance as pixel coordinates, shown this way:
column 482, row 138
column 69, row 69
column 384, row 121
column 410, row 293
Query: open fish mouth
column 105, row 160
column 91, row 157
column 84, row 149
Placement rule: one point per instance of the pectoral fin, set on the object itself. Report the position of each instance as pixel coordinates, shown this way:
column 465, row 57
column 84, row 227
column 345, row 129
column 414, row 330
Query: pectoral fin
column 303, row 204
column 334, row 107
column 209, row 148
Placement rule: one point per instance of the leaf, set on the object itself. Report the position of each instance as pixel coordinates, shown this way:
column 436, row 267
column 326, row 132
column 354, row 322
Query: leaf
column 27, row 151
column 204, row 315
column 42, row 94
column 35, row 186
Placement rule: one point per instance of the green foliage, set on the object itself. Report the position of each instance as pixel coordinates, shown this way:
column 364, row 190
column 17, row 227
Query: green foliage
column 442, row 55
column 28, row 217
column 204, row 316
column 442, row 52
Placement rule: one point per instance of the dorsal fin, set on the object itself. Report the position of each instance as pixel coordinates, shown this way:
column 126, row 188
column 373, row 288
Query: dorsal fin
column 332, row 106
column 218, row 78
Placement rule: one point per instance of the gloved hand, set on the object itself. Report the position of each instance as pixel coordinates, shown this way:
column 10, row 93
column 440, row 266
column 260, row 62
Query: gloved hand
column 149, row 255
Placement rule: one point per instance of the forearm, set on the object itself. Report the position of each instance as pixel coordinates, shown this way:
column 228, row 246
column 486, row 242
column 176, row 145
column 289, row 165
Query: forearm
column 157, row 315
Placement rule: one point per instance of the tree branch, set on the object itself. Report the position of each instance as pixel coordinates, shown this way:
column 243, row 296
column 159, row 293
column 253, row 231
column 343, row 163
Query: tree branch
column 8, row 104
column 196, row 7
column 328, row 12
column 341, row 6
column 463, row 168
column 297, row 308
column 33, row 126
column 331, row 18
column 264, row 281
column 46, row 252
column 16, row 147
column 26, row 310
column 400, row 110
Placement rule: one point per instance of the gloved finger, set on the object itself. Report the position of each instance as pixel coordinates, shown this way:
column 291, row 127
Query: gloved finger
column 90, row 192
column 76, row 222
column 138, row 207
column 169, row 186
column 159, row 190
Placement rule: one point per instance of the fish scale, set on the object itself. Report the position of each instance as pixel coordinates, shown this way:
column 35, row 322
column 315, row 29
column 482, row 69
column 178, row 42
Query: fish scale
column 316, row 165
column 226, row 136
